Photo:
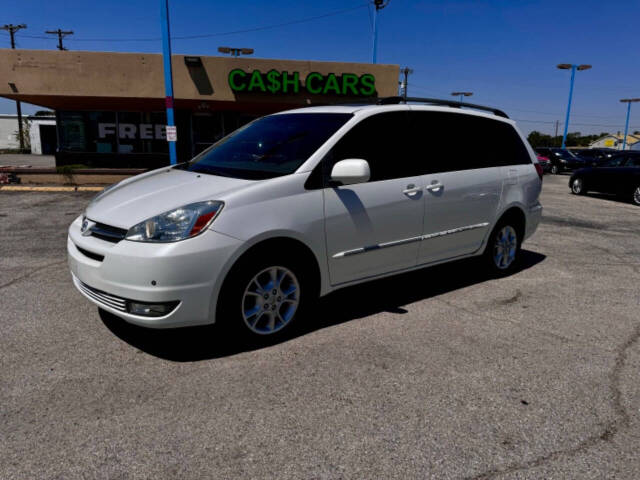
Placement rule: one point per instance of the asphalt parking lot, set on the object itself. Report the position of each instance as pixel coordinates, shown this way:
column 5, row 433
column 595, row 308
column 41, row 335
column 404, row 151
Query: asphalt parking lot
column 442, row 373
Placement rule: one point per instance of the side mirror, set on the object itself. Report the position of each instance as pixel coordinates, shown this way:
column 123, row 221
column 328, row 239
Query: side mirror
column 350, row 171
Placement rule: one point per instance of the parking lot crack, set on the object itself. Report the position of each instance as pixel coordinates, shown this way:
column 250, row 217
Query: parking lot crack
column 32, row 272
column 608, row 432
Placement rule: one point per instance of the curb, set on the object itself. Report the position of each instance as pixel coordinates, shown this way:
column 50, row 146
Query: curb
column 16, row 188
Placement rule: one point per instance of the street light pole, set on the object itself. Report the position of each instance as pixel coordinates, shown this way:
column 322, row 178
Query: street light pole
column 168, row 80
column 461, row 95
column 628, row 101
column 573, row 68
column 379, row 5
column 235, row 51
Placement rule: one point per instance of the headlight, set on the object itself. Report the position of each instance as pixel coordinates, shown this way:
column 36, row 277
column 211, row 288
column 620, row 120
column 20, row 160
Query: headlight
column 178, row 224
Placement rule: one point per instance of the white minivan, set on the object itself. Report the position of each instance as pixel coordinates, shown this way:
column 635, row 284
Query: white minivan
column 300, row 203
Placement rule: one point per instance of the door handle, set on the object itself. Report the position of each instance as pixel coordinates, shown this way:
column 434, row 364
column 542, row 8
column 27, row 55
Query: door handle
column 434, row 187
column 411, row 190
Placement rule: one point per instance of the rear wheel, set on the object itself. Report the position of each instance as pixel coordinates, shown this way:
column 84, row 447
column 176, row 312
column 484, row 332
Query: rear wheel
column 503, row 249
column 635, row 198
column 577, row 186
column 555, row 169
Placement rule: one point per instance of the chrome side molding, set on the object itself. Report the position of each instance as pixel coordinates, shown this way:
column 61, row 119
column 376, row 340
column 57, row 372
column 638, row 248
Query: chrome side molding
column 404, row 241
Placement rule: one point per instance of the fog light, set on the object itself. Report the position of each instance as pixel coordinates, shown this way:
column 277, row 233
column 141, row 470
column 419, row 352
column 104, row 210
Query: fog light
column 151, row 309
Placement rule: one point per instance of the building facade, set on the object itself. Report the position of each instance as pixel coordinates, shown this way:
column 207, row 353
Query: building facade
column 42, row 133
column 110, row 107
column 616, row 141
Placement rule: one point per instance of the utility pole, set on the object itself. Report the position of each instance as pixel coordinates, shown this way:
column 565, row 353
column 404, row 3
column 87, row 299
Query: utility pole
column 61, row 34
column 406, row 71
column 12, row 29
column 379, row 5
column 172, row 133
column 557, row 124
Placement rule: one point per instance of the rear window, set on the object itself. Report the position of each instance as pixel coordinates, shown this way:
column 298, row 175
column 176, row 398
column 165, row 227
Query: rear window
column 453, row 141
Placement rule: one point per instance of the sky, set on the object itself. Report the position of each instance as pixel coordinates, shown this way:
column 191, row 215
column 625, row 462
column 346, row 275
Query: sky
column 505, row 52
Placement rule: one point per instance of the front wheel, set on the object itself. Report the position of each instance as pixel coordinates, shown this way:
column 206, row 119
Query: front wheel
column 635, row 198
column 577, row 186
column 555, row 169
column 503, row 249
column 264, row 296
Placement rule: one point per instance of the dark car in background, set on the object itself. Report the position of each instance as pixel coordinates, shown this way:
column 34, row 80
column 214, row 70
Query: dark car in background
column 562, row 160
column 620, row 175
column 595, row 156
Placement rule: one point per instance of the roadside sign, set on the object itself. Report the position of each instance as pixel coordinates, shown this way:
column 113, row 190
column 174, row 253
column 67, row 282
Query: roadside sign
column 172, row 133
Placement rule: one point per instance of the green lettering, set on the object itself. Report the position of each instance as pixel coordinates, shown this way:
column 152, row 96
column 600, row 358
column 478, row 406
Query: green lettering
column 232, row 80
column 312, row 77
column 256, row 82
column 367, row 82
column 294, row 82
column 273, row 80
column 331, row 85
column 349, row 82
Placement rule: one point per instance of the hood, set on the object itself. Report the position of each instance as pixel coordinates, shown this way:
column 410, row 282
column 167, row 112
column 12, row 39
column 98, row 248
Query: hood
column 138, row 198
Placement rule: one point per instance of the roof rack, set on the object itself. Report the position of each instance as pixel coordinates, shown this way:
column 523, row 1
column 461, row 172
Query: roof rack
column 437, row 101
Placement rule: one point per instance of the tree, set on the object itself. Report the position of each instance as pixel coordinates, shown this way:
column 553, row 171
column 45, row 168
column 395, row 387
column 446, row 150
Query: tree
column 26, row 128
column 574, row 139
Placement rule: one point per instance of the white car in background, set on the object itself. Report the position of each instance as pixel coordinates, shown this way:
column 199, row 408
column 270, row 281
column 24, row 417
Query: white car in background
column 300, row 203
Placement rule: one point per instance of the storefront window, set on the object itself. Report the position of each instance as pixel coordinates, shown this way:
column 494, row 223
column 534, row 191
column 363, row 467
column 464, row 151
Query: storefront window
column 113, row 132
column 152, row 133
column 207, row 129
column 102, row 132
column 72, row 132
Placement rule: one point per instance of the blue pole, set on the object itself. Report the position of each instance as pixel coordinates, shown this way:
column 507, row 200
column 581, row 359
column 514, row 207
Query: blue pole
column 375, row 34
column 461, row 98
column 168, row 75
column 626, row 126
column 566, row 122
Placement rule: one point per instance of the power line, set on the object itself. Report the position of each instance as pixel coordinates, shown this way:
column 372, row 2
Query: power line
column 218, row 34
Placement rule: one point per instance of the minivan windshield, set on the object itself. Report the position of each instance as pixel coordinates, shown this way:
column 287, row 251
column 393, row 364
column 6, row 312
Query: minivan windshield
column 268, row 147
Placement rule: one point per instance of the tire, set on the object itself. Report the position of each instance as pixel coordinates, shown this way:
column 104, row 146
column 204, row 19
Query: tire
column 502, row 252
column 264, row 296
column 635, row 196
column 555, row 169
column 577, row 186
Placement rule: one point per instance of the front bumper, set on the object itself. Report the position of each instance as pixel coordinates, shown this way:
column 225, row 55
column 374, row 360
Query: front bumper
column 188, row 272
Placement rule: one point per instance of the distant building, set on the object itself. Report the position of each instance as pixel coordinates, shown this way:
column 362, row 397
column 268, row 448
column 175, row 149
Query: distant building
column 42, row 133
column 616, row 141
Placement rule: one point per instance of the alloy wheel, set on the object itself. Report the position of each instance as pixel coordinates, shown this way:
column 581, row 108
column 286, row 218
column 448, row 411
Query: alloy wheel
column 577, row 186
column 505, row 247
column 636, row 196
column 270, row 300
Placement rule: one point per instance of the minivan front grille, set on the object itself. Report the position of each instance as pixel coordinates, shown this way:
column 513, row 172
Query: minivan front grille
column 108, row 233
column 104, row 298
column 91, row 255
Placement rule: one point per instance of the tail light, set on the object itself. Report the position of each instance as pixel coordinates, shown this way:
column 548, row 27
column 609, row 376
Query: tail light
column 539, row 170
